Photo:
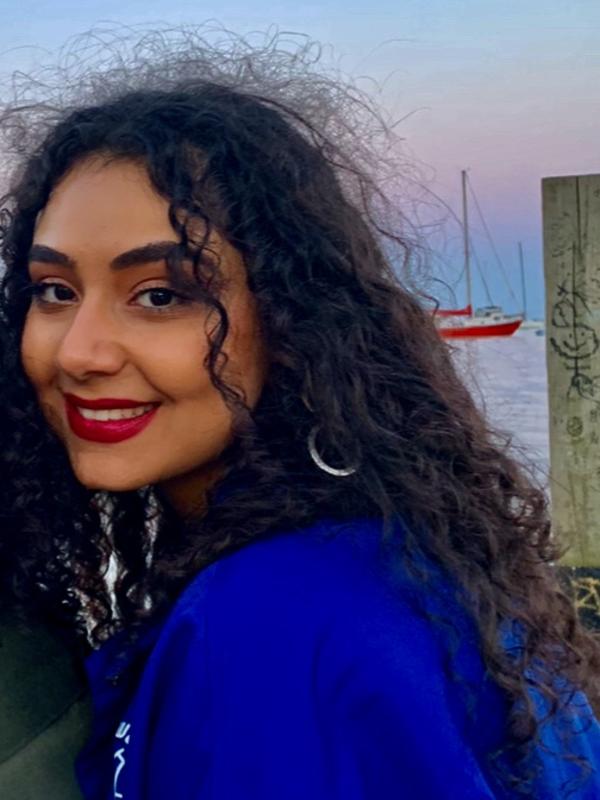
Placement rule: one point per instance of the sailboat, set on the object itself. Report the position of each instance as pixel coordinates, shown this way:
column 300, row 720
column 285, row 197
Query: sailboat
column 462, row 323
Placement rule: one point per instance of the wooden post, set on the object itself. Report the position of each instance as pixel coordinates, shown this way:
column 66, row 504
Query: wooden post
column 571, row 216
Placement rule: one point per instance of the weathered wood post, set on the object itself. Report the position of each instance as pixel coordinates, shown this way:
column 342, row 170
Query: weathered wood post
column 571, row 218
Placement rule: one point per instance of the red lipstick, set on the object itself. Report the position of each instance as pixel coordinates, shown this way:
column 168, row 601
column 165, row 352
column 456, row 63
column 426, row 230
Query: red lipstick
column 106, row 431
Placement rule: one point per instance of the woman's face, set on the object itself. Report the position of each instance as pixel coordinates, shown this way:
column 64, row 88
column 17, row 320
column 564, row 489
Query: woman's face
column 115, row 357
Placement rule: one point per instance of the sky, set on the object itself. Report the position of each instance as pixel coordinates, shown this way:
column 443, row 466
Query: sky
column 503, row 88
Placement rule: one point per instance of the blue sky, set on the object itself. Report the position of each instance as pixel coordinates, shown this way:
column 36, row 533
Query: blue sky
column 506, row 89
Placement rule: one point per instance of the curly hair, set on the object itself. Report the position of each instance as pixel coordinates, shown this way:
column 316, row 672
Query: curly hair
column 287, row 162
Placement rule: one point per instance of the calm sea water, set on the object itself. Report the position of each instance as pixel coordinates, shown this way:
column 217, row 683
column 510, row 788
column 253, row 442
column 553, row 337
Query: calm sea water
column 508, row 379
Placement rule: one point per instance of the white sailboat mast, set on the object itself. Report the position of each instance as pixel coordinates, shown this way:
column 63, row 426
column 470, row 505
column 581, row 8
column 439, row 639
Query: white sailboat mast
column 523, row 292
column 466, row 240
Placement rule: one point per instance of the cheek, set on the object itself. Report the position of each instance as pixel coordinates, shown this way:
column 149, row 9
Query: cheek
column 173, row 361
column 247, row 353
column 37, row 349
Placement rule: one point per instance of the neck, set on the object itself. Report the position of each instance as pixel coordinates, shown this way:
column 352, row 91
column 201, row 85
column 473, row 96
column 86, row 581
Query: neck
column 186, row 494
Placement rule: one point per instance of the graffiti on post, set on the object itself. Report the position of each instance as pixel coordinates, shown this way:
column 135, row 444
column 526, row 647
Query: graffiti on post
column 575, row 342
column 571, row 208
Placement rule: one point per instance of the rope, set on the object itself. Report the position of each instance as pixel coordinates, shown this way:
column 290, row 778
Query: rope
column 491, row 241
column 481, row 274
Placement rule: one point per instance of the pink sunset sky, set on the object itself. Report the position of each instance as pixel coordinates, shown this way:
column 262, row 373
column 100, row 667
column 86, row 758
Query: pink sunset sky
column 505, row 89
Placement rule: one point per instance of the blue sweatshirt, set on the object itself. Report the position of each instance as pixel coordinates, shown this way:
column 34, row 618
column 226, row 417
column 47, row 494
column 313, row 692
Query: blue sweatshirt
column 298, row 669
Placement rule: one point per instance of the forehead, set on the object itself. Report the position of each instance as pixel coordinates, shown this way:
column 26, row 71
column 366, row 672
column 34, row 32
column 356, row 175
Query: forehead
column 107, row 205
column 102, row 209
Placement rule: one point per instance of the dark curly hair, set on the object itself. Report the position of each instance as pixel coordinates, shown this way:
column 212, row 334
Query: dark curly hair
column 289, row 164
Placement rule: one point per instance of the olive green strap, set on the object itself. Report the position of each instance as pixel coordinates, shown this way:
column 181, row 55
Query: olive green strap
column 44, row 768
column 44, row 714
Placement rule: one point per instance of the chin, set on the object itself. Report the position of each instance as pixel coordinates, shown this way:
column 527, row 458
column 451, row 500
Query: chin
column 109, row 480
column 108, row 485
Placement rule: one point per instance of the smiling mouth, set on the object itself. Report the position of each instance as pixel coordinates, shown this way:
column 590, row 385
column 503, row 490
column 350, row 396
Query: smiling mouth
column 112, row 414
column 107, row 421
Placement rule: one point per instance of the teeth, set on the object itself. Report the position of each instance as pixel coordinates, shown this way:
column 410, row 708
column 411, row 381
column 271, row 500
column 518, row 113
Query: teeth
column 106, row 414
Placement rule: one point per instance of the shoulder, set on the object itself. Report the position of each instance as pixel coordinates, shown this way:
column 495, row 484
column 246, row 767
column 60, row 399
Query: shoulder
column 327, row 588
column 313, row 571
column 298, row 656
column 305, row 641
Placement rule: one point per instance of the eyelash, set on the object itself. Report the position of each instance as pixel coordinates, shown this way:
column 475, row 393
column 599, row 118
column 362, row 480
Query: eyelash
column 37, row 291
column 180, row 299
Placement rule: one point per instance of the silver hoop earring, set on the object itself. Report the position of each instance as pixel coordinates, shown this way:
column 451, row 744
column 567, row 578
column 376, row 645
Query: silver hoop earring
column 312, row 449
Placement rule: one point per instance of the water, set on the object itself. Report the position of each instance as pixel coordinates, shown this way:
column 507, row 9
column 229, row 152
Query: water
column 508, row 379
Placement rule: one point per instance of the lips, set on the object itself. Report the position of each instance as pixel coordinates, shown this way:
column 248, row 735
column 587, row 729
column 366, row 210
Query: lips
column 100, row 428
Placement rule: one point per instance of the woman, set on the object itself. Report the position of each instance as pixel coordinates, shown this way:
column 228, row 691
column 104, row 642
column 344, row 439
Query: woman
column 305, row 564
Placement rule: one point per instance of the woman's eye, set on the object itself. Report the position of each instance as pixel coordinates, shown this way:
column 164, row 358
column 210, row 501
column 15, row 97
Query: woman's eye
column 56, row 293
column 158, row 298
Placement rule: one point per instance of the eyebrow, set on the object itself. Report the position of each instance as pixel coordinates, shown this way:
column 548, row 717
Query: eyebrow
column 145, row 254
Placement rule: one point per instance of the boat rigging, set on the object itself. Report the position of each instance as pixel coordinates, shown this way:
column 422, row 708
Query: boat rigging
column 489, row 320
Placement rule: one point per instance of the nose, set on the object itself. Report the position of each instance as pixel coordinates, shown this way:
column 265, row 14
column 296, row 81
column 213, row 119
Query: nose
column 92, row 344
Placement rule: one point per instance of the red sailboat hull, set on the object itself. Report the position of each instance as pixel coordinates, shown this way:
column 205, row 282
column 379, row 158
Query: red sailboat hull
column 477, row 331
